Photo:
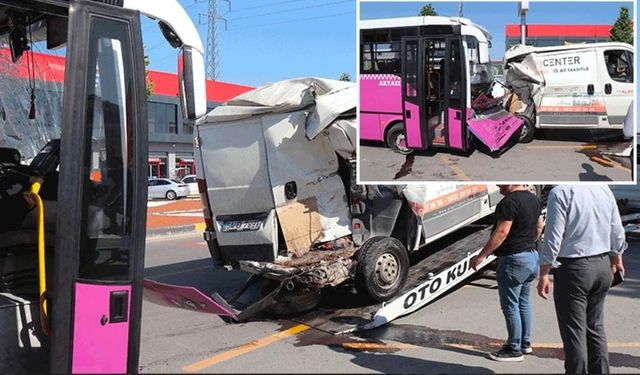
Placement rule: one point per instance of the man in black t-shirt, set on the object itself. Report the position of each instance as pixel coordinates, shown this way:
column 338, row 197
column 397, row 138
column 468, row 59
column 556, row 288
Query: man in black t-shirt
column 518, row 225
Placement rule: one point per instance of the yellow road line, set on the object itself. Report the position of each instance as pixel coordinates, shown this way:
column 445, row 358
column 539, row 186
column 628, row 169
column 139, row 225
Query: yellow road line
column 583, row 147
column 609, row 163
column 377, row 345
column 200, row 227
column 246, row 348
column 541, row 345
column 601, row 160
column 552, row 345
column 612, row 345
column 455, row 168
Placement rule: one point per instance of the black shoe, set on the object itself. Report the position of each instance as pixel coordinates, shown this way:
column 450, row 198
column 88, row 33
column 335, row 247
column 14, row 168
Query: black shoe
column 506, row 354
column 526, row 348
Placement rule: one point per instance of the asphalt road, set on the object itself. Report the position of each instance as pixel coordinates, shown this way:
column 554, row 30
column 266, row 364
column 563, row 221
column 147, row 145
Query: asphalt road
column 451, row 335
column 560, row 155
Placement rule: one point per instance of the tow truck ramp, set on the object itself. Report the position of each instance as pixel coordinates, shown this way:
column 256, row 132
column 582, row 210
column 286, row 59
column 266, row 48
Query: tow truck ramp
column 427, row 280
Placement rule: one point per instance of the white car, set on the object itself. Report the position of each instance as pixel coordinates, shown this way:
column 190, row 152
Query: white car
column 167, row 188
column 192, row 181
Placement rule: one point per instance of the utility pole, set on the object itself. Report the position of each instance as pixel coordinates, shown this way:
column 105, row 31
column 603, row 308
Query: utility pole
column 212, row 62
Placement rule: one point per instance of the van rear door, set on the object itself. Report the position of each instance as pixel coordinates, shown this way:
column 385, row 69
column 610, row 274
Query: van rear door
column 617, row 83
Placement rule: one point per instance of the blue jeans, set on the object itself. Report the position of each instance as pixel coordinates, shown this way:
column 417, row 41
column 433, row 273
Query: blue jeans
column 515, row 274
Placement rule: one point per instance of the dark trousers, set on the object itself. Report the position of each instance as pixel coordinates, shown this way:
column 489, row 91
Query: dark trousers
column 579, row 289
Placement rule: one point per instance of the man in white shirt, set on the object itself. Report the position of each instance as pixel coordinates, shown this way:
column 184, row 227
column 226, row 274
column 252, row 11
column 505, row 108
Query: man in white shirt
column 584, row 240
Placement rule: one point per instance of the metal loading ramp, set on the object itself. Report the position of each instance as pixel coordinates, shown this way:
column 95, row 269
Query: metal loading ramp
column 444, row 267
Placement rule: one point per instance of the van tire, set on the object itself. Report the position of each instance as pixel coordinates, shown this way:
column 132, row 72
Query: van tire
column 171, row 195
column 527, row 132
column 382, row 268
column 396, row 139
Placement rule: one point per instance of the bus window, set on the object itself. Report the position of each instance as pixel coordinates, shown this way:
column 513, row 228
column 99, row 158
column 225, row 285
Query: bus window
column 455, row 73
column 411, row 69
column 107, row 213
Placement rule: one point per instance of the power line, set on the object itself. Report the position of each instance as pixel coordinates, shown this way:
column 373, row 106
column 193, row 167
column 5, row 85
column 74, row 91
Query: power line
column 292, row 21
column 269, row 5
column 174, row 53
column 292, row 10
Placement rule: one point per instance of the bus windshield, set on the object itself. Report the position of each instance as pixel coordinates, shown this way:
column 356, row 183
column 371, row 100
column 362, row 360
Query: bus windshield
column 481, row 75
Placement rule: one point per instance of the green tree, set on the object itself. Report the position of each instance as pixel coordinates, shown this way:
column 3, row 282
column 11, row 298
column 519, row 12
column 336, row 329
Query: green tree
column 345, row 77
column 428, row 10
column 622, row 30
column 149, row 82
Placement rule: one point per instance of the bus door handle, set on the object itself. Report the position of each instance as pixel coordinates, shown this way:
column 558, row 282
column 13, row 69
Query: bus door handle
column 590, row 89
column 407, row 113
column 118, row 306
column 607, row 88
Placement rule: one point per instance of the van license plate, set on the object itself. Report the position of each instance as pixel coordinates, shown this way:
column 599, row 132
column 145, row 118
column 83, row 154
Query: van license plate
column 241, row 225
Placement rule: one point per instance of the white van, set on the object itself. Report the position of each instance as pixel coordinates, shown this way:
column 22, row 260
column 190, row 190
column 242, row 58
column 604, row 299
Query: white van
column 572, row 86
column 278, row 169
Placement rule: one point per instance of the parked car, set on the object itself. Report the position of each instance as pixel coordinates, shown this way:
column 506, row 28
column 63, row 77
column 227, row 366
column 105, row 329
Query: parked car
column 192, row 181
column 167, row 188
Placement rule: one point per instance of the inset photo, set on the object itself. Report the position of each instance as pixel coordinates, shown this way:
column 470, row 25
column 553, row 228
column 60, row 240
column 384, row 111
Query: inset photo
column 497, row 91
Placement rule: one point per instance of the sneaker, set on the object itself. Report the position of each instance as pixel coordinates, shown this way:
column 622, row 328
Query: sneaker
column 526, row 348
column 506, row 354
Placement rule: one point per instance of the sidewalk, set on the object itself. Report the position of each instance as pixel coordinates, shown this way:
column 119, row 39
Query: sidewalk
column 169, row 217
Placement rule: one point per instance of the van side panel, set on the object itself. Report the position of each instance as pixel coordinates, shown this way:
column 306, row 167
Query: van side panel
column 568, row 100
column 618, row 93
column 307, row 191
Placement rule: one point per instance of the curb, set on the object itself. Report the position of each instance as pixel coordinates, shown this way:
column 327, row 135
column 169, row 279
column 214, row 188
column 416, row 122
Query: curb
column 176, row 229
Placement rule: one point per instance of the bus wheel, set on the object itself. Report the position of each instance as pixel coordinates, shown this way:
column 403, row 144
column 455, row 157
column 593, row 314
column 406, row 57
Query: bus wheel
column 397, row 141
column 382, row 268
column 527, row 131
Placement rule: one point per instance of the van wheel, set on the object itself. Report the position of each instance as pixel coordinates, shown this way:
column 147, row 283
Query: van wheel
column 171, row 195
column 397, row 140
column 382, row 268
column 527, row 131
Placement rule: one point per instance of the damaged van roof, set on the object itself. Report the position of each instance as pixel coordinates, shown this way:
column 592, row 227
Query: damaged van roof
column 283, row 96
column 331, row 100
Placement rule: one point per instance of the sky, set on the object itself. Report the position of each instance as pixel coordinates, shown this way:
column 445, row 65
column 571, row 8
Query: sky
column 495, row 15
column 269, row 40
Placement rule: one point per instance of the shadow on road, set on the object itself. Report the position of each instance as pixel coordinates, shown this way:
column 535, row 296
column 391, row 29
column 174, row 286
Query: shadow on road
column 392, row 363
column 589, row 174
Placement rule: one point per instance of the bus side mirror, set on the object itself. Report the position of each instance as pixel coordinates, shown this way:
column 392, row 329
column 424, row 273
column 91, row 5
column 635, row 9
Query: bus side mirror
column 193, row 91
column 483, row 57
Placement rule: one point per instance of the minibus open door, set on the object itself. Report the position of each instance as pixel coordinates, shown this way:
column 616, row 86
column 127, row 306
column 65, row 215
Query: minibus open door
column 99, row 254
column 434, row 92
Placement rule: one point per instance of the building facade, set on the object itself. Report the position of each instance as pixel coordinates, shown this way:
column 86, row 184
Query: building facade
column 556, row 35
column 170, row 138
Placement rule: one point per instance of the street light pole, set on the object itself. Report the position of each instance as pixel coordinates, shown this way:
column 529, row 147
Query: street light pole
column 523, row 7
